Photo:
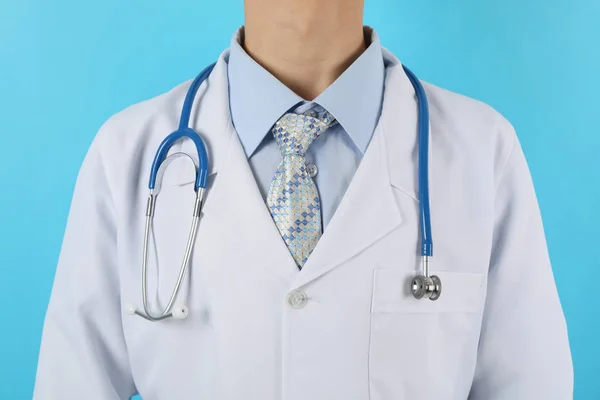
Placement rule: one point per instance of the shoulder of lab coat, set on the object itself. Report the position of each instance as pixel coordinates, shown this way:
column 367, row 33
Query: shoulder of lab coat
column 524, row 348
column 83, row 352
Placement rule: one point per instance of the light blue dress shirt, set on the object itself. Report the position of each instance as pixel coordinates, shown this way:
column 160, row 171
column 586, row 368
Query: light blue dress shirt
column 258, row 99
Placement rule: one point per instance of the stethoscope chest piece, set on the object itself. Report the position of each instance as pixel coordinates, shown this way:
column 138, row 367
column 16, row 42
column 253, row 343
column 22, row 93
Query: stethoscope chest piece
column 426, row 286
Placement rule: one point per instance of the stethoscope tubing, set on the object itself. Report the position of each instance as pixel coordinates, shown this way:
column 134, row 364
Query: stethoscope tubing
column 184, row 130
column 423, row 173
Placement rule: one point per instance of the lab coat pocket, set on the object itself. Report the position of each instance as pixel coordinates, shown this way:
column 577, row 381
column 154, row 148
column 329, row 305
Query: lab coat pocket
column 417, row 346
column 460, row 293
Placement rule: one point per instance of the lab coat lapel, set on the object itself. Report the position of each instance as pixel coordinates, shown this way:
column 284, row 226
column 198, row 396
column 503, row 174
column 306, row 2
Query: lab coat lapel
column 367, row 213
column 369, row 210
column 400, row 123
column 233, row 202
column 243, row 218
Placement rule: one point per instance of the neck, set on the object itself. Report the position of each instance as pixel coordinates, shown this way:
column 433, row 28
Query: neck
column 305, row 44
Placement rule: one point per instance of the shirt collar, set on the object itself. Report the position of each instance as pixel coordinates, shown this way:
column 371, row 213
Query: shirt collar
column 257, row 99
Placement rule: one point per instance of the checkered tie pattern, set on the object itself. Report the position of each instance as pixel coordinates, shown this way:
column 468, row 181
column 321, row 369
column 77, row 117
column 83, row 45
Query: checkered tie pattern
column 293, row 199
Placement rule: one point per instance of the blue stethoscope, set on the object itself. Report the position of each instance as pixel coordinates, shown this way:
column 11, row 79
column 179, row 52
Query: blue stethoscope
column 422, row 285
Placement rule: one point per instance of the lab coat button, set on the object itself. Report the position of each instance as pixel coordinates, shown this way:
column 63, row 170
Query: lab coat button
column 312, row 170
column 297, row 299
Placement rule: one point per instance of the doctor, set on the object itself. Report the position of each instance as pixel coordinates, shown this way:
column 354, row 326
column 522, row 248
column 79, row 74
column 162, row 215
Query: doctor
column 327, row 315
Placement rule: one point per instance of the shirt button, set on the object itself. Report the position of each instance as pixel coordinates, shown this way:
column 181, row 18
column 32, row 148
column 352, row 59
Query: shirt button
column 297, row 299
column 312, row 170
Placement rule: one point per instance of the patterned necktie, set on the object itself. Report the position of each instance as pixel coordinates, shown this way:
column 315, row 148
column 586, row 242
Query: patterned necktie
column 293, row 198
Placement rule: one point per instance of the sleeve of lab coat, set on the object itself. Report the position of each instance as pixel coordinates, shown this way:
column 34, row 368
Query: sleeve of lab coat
column 524, row 349
column 83, row 353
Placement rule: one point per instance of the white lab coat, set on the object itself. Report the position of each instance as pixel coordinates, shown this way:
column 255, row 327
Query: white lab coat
column 497, row 332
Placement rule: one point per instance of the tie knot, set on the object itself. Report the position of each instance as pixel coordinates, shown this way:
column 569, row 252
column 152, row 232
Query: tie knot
column 294, row 133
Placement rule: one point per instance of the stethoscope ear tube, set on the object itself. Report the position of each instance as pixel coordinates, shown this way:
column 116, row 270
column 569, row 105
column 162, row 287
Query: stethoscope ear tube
column 156, row 171
column 180, row 312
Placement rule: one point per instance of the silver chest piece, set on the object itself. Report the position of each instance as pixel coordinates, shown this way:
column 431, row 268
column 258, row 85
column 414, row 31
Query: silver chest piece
column 426, row 286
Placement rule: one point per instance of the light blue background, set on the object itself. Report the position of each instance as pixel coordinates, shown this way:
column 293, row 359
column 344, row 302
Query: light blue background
column 67, row 65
